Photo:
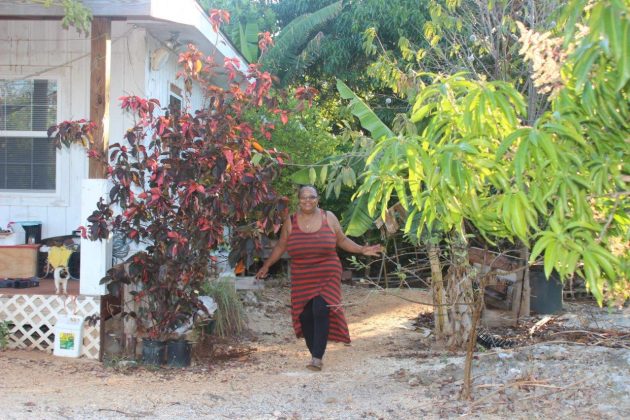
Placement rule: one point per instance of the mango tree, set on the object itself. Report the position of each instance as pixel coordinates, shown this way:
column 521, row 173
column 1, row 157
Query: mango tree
column 442, row 169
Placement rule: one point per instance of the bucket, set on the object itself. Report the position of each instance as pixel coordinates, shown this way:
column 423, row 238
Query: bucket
column 153, row 351
column 68, row 336
column 178, row 353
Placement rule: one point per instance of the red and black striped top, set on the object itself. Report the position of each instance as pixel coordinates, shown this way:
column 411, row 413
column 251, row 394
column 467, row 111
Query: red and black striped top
column 316, row 271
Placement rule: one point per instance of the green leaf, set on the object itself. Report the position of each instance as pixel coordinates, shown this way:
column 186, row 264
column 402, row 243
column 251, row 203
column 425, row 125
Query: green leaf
column 302, row 176
column 312, row 176
column 510, row 139
column 593, row 276
column 364, row 113
column 623, row 64
column 337, row 186
column 613, row 30
column 565, row 131
column 323, row 173
column 256, row 158
column 347, row 176
column 583, row 66
column 359, row 219
column 249, row 41
column 540, row 246
column 550, row 257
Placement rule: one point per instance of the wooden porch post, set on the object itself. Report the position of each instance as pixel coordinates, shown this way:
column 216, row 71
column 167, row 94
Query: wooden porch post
column 100, row 65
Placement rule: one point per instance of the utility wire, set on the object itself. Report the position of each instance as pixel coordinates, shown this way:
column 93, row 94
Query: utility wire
column 82, row 56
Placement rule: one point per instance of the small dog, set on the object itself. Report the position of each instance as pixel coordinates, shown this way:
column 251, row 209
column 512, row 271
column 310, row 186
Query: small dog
column 61, row 279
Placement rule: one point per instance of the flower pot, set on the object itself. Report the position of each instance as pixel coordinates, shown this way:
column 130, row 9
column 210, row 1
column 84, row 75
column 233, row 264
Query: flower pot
column 546, row 293
column 153, row 351
column 178, row 353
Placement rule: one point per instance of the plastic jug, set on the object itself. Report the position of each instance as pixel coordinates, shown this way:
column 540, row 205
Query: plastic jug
column 68, row 336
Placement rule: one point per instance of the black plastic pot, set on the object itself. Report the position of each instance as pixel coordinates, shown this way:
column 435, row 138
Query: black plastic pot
column 546, row 293
column 153, row 351
column 178, row 353
column 209, row 327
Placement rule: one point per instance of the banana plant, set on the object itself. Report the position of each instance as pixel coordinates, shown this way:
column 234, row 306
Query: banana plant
column 296, row 46
column 336, row 171
column 248, row 37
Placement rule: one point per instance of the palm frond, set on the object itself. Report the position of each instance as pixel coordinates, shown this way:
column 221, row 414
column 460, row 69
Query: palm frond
column 309, row 55
column 295, row 37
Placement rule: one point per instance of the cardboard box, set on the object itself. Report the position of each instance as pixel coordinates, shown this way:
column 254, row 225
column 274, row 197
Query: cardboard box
column 18, row 261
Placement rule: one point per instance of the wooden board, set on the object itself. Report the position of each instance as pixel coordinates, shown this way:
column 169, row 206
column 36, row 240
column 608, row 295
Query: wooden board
column 492, row 318
column 249, row 283
column 18, row 261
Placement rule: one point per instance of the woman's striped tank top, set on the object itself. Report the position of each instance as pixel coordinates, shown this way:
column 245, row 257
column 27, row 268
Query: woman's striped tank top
column 316, row 271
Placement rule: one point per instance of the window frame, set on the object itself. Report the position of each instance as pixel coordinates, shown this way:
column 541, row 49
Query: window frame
column 59, row 197
column 175, row 92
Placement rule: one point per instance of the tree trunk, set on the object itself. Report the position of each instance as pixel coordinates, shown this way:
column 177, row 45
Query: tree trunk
column 440, row 311
column 472, row 337
column 521, row 305
column 460, row 294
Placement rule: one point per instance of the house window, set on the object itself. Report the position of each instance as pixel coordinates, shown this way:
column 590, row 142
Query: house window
column 174, row 105
column 175, row 100
column 27, row 156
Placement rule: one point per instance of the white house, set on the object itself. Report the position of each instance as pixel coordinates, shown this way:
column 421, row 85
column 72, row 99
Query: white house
column 50, row 74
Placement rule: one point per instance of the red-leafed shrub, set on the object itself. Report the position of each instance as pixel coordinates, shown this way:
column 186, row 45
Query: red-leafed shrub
column 181, row 182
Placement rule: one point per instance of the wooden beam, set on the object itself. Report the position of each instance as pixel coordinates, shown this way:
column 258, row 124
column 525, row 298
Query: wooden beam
column 100, row 65
column 494, row 260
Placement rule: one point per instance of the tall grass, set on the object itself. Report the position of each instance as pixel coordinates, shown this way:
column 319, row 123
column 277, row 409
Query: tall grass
column 230, row 315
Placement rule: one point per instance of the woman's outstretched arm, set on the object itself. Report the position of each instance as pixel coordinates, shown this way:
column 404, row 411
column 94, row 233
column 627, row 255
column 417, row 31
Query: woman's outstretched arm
column 348, row 244
column 277, row 251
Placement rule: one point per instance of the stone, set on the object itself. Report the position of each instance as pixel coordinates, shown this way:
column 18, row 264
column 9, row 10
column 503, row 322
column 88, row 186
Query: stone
column 414, row 381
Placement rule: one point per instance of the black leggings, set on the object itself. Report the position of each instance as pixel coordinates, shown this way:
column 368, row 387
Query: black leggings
column 315, row 323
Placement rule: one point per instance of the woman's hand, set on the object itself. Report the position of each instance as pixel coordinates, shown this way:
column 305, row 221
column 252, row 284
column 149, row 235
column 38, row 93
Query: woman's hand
column 371, row 250
column 262, row 273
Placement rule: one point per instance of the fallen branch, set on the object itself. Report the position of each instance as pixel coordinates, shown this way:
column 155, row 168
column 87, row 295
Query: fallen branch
column 580, row 332
column 565, row 388
column 526, row 383
column 539, row 325
column 539, row 384
column 490, row 353
column 145, row 414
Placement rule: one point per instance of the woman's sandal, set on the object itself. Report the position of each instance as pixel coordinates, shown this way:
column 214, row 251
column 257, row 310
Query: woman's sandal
column 315, row 365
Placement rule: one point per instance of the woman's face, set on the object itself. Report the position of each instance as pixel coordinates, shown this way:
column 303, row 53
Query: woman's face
column 308, row 199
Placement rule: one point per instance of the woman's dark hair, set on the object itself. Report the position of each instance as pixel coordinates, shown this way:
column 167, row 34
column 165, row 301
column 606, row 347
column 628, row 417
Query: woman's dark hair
column 307, row 186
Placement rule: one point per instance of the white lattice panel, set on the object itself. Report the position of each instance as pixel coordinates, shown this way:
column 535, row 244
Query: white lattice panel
column 33, row 317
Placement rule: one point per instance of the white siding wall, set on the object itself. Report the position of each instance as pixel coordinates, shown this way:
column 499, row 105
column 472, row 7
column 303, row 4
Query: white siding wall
column 30, row 49
column 159, row 81
column 43, row 49
column 129, row 64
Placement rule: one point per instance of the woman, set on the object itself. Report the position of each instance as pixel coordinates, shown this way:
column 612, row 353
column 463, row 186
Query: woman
column 311, row 237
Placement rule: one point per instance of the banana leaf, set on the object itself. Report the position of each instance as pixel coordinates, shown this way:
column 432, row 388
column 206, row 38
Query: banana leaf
column 249, row 41
column 369, row 120
column 357, row 218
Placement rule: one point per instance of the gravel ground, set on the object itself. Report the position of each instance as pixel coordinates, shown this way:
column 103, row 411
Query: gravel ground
column 391, row 371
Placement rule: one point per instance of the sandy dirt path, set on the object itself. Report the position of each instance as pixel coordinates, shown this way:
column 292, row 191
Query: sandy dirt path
column 389, row 372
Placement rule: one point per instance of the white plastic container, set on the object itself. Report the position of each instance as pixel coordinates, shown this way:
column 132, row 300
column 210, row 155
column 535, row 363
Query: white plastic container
column 68, row 336
column 15, row 238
